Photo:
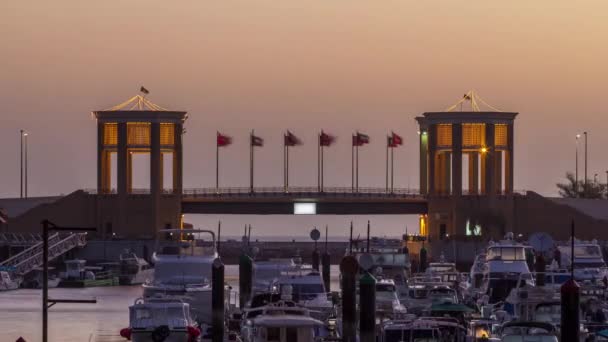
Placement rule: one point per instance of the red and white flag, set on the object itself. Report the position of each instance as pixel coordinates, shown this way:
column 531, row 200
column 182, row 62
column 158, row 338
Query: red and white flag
column 360, row 139
column 291, row 140
column 256, row 141
column 223, row 140
column 394, row 140
column 326, row 139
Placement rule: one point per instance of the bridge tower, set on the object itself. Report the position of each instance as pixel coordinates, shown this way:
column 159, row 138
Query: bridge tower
column 463, row 153
column 138, row 126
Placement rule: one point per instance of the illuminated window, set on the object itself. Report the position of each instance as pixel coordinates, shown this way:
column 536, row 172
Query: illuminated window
column 167, row 134
column 444, row 135
column 500, row 135
column 473, row 135
column 304, row 208
column 138, row 133
column 472, row 230
column 423, row 225
column 110, row 134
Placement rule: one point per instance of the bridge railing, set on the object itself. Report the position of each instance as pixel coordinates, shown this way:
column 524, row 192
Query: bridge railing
column 299, row 191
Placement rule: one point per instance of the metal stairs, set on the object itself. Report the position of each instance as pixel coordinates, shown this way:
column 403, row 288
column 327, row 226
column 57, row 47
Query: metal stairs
column 31, row 257
column 19, row 239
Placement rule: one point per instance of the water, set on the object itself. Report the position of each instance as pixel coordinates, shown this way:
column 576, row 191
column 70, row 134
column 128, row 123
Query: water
column 21, row 313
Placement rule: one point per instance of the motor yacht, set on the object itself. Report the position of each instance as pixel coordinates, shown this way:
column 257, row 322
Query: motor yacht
column 307, row 289
column 388, row 304
column 517, row 331
column 588, row 264
column 183, row 270
column 161, row 319
column 265, row 273
column 505, row 266
column 422, row 329
column 7, row 282
column 133, row 269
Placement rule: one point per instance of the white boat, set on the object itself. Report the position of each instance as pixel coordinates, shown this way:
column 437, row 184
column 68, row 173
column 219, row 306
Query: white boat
column 7, row 282
column 283, row 321
column 265, row 273
column 307, row 289
column 161, row 319
column 518, row 331
column 388, row 304
column 505, row 266
column 133, row 269
column 423, row 329
column 588, row 260
column 183, row 269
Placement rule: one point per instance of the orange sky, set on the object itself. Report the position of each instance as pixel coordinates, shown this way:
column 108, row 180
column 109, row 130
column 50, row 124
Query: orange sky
column 303, row 65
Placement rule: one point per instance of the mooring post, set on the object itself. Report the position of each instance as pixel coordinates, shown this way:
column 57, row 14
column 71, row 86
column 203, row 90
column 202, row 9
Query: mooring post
column 45, row 279
column 349, row 268
column 540, row 270
column 316, row 257
column 245, row 279
column 325, row 265
column 367, row 308
column 423, row 256
column 217, row 300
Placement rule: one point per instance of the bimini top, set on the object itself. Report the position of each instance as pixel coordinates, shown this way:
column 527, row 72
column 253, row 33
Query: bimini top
column 138, row 108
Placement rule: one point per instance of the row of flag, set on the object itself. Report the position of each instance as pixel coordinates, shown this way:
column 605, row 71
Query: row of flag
column 290, row 139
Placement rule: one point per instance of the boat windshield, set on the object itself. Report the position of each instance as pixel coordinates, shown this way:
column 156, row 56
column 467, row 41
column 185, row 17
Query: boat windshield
column 597, row 264
column 306, row 291
column 506, row 253
column 418, row 335
column 520, row 338
column 587, row 251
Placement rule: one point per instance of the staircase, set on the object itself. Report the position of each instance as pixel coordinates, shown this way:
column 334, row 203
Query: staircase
column 19, row 239
column 31, row 258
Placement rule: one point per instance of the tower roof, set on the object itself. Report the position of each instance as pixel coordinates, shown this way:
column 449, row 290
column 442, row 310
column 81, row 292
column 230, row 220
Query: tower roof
column 138, row 108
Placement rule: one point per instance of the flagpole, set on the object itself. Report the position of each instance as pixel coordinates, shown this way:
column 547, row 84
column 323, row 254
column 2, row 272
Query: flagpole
column 388, row 139
column 286, row 168
column 357, row 164
column 322, row 170
column 284, row 165
column 251, row 162
column 217, row 164
column 392, row 168
column 319, row 162
column 353, row 165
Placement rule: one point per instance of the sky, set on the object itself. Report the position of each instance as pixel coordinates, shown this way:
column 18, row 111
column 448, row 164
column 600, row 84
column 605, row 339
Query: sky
column 270, row 65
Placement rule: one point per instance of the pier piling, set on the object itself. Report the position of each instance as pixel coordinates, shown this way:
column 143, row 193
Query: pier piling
column 245, row 279
column 316, row 256
column 367, row 309
column 325, row 261
column 423, row 256
column 217, row 300
column 540, row 270
column 349, row 268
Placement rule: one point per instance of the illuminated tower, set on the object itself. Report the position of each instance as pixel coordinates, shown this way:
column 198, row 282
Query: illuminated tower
column 138, row 126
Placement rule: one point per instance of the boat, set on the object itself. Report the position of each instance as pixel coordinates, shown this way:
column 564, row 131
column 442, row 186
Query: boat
column 422, row 329
column 265, row 273
column 133, row 269
column 161, row 319
column 78, row 274
column 588, row 260
column 282, row 321
column 182, row 269
column 388, row 305
column 34, row 279
column 7, row 282
column 505, row 266
column 528, row 331
column 307, row 289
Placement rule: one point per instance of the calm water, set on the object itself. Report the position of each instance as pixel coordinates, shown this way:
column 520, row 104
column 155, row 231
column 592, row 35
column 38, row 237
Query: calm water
column 21, row 313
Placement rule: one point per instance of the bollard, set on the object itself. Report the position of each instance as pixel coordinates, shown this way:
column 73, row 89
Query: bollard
column 349, row 268
column 540, row 270
column 367, row 308
column 245, row 279
column 316, row 256
column 570, row 326
column 422, row 264
column 326, row 263
column 217, row 300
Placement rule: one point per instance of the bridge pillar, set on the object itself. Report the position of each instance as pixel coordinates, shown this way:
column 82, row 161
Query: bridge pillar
column 457, row 159
column 431, row 155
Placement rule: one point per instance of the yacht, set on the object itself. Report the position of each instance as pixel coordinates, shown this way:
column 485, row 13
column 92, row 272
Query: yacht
column 505, row 266
column 160, row 319
column 422, row 329
column 528, row 331
column 265, row 273
column 588, row 260
column 388, row 304
column 133, row 269
column 282, row 321
column 183, row 270
column 307, row 289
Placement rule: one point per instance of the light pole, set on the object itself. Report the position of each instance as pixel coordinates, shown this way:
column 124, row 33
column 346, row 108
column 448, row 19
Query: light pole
column 576, row 167
column 25, row 162
column 23, row 167
column 21, row 164
column 585, row 133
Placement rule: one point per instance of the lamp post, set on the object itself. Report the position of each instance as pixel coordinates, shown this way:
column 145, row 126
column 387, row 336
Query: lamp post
column 585, row 133
column 576, row 167
column 25, row 162
column 23, row 167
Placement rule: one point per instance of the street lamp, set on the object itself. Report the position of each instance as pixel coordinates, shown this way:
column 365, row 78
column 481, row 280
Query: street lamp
column 23, row 140
column 585, row 133
column 576, row 167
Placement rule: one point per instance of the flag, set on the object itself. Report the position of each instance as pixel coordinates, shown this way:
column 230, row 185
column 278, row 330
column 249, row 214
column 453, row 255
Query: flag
column 394, row 140
column 291, row 139
column 326, row 139
column 467, row 97
column 256, row 141
column 360, row 139
column 3, row 216
column 144, row 90
column 223, row 140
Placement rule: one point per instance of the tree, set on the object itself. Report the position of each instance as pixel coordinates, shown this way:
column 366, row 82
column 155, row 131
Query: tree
column 570, row 189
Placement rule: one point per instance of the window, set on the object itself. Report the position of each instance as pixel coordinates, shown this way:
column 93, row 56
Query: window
column 500, row 135
column 444, row 135
column 110, row 134
column 167, row 134
column 138, row 133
